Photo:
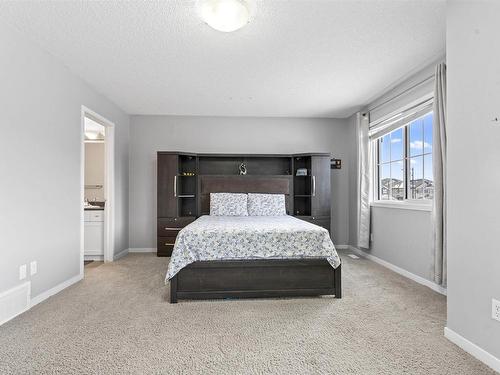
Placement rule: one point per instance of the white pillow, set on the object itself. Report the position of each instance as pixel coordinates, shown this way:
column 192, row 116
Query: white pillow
column 266, row 204
column 228, row 204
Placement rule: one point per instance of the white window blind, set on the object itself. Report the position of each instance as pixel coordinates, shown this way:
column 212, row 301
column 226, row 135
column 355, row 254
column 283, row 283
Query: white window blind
column 382, row 127
column 417, row 88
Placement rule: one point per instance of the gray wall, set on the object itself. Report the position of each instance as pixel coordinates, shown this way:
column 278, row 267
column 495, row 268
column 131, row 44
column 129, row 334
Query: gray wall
column 473, row 53
column 40, row 164
column 401, row 237
column 150, row 134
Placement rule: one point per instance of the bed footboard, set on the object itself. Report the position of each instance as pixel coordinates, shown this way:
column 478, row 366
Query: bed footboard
column 256, row 279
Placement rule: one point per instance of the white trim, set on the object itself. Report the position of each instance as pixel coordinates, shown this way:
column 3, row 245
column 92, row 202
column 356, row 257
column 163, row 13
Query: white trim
column 93, row 253
column 121, row 254
column 109, row 191
column 26, row 307
column 418, row 279
column 97, row 258
column 49, row 293
column 82, row 190
column 109, row 185
column 471, row 348
column 142, row 250
column 403, row 205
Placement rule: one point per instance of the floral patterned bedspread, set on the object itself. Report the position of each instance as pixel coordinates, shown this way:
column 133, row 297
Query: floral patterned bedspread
column 250, row 237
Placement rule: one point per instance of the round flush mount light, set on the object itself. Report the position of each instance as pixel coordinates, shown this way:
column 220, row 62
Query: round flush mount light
column 225, row 15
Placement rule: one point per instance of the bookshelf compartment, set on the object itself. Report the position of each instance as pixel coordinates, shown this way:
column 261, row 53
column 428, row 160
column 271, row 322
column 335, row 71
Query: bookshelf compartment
column 187, row 206
column 301, row 162
column 187, row 164
column 302, row 205
column 279, row 166
column 302, row 185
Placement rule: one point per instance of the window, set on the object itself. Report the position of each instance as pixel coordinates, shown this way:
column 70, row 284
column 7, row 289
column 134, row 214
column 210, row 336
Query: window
column 404, row 162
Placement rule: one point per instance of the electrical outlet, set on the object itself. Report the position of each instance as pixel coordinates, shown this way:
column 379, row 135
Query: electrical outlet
column 33, row 268
column 495, row 309
column 22, row 272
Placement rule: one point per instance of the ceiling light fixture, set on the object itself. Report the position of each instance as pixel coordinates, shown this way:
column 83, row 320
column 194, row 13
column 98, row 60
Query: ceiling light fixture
column 225, row 15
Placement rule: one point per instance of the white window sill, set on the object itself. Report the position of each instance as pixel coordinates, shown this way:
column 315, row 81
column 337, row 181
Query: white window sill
column 404, row 205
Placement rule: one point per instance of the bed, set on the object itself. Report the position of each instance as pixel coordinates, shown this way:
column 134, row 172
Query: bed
column 253, row 256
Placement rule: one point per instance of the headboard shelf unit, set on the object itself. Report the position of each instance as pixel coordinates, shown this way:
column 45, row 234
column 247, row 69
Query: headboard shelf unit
column 266, row 165
column 219, row 165
column 249, row 176
column 254, row 164
column 185, row 181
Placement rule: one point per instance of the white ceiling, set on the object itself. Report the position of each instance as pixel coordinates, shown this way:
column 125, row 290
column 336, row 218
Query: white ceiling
column 294, row 58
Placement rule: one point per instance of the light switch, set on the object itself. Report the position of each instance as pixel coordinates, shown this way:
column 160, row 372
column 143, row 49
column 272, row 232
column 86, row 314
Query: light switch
column 33, row 268
column 22, row 272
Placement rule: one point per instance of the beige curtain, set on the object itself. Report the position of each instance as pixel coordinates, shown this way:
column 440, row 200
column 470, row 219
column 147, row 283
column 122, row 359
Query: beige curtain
column 439, row 170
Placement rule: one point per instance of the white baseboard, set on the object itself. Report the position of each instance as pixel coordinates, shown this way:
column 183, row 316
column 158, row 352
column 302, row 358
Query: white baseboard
column 418, row 279
column 342, row 247
column 93, row 253
column 43, row 296
column 121, row 254
column 474, row 350
column 98, row 258
column 22, row 300
column 142, row 250
column 14, row 301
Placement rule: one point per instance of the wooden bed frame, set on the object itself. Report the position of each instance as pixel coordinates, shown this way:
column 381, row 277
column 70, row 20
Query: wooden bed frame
column 256, row 278
column 253, row 278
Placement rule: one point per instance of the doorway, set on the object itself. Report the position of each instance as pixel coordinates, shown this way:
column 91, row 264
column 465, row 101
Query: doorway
column 97, row 188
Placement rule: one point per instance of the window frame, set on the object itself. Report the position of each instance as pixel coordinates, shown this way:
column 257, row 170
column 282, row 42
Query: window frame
column 407, row 203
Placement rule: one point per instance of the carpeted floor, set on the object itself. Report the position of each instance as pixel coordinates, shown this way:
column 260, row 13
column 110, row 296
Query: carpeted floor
column 118, row 321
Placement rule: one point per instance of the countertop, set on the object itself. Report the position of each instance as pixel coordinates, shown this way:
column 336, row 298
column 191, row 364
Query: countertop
column 96, row 206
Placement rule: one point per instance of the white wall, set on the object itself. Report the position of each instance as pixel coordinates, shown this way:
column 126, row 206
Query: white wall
column 40, row 164
column 94, row 170
column 150, row 134
column 473, row 55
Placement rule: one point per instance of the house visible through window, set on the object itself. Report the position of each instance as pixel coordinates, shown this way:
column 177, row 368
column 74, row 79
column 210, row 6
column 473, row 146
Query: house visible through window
column 404, row 162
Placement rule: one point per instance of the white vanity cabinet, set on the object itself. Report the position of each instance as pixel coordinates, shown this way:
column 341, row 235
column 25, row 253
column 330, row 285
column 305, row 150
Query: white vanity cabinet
column 94, row 233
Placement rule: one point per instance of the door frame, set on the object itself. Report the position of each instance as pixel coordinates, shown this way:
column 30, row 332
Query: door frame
column 109, row 184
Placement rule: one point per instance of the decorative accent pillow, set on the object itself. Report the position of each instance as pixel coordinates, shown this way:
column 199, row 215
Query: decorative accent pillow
column 228, row 204
column 266, row 204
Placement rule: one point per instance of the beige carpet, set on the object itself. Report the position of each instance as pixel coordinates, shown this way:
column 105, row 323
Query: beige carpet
column 118, row 321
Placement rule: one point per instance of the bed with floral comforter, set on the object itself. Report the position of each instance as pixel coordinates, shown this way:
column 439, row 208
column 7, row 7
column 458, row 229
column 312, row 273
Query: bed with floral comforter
column 250, row 237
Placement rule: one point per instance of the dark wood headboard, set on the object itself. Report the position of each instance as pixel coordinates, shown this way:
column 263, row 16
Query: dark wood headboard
column 243, row 184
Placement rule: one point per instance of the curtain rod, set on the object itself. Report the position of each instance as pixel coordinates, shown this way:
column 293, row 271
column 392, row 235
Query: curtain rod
column 401, row 93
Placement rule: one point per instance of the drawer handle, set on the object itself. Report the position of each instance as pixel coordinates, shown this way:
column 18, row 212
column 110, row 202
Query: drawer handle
column 169, row 244
column 168, row 228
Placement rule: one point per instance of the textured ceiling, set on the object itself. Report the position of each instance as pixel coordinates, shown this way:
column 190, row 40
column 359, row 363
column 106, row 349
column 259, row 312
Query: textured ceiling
column 297, row 59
